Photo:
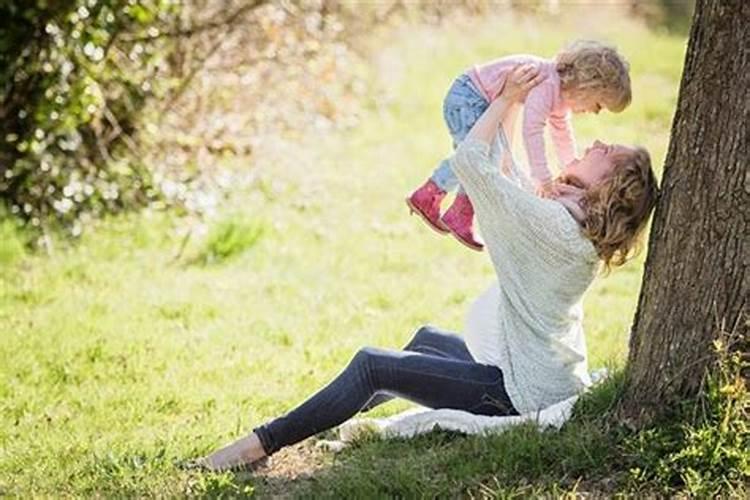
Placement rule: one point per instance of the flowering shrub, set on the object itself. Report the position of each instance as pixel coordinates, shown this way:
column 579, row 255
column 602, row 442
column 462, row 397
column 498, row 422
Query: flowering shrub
column 109, row 105
column 75, row 78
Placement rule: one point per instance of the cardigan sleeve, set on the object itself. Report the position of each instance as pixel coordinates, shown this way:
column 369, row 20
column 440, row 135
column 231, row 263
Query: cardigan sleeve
column 493, row 193
column 515, row 224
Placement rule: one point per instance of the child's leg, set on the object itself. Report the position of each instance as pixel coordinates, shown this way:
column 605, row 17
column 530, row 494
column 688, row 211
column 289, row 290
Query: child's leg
column 461, row 109
column 461, row 115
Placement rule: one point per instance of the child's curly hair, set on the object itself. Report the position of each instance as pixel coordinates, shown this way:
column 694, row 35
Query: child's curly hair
column 591, row 66
column 617, row 210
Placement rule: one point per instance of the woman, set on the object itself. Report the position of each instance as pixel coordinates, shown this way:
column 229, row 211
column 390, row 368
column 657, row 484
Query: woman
column 523, row 348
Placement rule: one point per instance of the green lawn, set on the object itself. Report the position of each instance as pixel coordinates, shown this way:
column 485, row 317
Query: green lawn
column 117, row 360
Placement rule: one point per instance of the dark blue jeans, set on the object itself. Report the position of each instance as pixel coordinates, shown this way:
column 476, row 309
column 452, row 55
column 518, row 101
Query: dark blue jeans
column 435, row 370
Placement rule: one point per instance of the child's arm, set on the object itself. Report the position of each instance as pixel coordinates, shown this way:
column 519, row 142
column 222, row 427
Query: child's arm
column 535, row 114
column 561, row 130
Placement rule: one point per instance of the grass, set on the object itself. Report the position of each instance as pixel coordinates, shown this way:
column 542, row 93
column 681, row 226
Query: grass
column 229, row 238
column 14, row 246
column 515, row 463
column 116, row 359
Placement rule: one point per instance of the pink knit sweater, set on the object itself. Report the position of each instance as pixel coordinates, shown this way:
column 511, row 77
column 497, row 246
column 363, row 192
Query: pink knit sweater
column 543, row 106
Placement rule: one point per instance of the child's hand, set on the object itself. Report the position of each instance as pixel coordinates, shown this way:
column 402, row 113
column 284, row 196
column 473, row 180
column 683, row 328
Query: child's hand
column 569, row 190
column 547, row 189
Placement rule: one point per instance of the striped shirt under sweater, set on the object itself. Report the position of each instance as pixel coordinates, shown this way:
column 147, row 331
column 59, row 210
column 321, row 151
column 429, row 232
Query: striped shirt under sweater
column 529, row 323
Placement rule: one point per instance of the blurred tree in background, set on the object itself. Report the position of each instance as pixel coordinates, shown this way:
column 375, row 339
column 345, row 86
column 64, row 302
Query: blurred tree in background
column 76, row 76
column 109, row 105
column 674, row 15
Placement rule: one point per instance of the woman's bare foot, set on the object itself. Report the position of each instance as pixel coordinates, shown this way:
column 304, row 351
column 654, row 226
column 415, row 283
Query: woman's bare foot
column 243, row 452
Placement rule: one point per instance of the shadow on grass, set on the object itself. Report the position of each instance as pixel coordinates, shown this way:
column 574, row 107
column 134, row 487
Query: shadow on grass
column 519, row 462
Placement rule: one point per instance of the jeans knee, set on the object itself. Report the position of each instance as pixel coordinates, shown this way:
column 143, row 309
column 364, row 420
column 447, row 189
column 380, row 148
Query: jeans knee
column 422, row 334
column 364, row 356
column 365, row 366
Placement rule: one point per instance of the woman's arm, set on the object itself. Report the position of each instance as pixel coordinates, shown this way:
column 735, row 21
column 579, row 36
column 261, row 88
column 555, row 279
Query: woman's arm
column 510, row 120
column 508, row 125
column 486, row 127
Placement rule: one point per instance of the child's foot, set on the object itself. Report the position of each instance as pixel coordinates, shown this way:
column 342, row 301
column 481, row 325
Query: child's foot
column 459, row 219
column 425, row 201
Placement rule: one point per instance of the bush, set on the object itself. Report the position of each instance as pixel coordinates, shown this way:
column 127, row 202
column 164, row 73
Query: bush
column 109, row 105
column 76, row 76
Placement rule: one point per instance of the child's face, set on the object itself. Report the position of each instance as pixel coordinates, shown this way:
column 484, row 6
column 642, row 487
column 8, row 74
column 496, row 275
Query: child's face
column 582, row 102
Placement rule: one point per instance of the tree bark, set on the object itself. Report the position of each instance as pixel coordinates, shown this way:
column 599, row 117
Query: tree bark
column 696, row 283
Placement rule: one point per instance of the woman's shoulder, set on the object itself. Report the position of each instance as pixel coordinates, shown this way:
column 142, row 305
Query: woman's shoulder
column 562, row 233
column 571, row 234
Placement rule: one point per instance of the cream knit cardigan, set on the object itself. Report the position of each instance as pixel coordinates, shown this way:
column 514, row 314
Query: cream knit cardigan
column 529, row 324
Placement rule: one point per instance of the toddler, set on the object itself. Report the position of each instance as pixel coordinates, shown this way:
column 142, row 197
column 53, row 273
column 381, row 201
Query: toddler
column 586, row 76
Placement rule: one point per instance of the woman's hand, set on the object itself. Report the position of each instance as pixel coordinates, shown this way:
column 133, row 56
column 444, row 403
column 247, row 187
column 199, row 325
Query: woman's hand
column 556, row 189
column 520, row 81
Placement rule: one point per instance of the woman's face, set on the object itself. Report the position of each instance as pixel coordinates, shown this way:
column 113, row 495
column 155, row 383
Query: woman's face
column 597, row 163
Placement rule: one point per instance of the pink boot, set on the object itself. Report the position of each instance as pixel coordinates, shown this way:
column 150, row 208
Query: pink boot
column 459, row 219
column 425, row 201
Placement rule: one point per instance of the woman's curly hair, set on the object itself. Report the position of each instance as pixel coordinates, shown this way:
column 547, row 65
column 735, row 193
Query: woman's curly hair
column 590, row 66
column 618, row 208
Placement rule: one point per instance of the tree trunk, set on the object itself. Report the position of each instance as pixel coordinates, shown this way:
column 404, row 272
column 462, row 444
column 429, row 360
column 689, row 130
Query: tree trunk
column 696, row 283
